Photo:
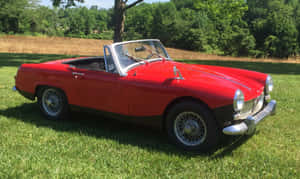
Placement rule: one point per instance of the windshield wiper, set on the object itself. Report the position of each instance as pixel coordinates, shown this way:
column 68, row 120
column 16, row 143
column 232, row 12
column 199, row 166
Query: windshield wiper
column 152, row 53
column 134, row 58
column 144, row 60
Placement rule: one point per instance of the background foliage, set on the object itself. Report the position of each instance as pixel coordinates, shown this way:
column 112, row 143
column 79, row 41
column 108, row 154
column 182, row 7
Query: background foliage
column 259, row 28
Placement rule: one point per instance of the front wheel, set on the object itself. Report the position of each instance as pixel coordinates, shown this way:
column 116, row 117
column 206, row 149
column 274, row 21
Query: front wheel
column 53, row 103
column 192, row 127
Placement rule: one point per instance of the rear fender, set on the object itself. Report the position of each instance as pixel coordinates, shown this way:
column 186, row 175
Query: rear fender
column 40, row 85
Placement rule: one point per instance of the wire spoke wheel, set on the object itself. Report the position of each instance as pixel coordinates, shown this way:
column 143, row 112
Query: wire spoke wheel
column 190, row 128
column 52, row 102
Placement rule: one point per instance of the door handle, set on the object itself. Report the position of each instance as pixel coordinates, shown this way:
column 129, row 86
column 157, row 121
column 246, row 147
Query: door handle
column 77, row 73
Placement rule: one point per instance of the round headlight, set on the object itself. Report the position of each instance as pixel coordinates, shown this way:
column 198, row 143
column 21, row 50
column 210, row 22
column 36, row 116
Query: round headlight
column 269, row 85
column 238, row 101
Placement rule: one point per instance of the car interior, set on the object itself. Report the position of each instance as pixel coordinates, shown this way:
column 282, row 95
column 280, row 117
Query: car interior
column 91, row 63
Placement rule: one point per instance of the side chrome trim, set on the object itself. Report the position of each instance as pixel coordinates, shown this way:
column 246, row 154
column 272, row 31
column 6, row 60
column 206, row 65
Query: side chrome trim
column 248, row 126
column 77, row 73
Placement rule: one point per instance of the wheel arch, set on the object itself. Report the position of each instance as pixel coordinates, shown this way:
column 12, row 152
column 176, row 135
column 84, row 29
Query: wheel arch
column 41, row 86
column 180, row 100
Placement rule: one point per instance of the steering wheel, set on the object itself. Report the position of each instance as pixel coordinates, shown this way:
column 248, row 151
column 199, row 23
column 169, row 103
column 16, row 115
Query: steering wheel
column 151, row 55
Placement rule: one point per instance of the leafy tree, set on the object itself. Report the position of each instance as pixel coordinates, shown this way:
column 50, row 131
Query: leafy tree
column 196, row 31
column 297, row 21
column 101, row 18
column 183, row 4
column 164, row 23
column 273, row 26
column 119, row 17
column 66, row 3
column 42, row 20
column 239, row 42
column 11, row 12
column 120, row 8
column 234, row 38
column 222, row 11
column 203, row 28
column 139, row 22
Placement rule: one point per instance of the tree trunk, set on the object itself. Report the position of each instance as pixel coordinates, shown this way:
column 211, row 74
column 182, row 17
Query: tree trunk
column 119, row 19
column 119, row 14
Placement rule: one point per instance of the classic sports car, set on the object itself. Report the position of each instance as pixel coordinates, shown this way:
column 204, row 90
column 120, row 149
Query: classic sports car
column 137, row 80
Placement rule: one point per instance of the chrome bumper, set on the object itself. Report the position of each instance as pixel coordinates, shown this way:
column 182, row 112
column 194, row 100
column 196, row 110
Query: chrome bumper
column 248, row 125
column 14, row 88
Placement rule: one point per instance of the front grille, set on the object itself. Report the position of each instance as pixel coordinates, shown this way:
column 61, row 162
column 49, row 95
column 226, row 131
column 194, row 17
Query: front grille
column 252, row 107
column 258, row 104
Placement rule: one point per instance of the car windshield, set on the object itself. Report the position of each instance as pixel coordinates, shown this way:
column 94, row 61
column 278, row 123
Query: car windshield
column 139, row 52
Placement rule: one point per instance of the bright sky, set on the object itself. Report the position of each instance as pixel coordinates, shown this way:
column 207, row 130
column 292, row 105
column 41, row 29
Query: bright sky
column 99, row 3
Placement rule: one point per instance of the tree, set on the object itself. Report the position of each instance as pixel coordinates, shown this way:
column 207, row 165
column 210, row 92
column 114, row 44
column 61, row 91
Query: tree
column 139, row 22
column 183, row 4
column 233, row 35
column 164, row 23
column 11, row 13
column 274, row 27
column 120, row 9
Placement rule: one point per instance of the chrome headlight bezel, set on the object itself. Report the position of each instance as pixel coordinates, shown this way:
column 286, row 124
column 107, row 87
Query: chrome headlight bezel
column 238, row 101
column 269, row 85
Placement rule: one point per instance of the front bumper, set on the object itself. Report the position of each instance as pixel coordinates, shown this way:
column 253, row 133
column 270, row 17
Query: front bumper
column 248, row 126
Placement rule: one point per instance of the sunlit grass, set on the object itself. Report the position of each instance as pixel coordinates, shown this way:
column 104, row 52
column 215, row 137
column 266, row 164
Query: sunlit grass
column 93, row 147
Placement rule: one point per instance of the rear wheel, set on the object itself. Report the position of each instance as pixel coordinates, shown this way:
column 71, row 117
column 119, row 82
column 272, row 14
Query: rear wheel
column 192, row 127
column 53, row 103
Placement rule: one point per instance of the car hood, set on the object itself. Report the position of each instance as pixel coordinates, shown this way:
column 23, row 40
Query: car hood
column 223, row 81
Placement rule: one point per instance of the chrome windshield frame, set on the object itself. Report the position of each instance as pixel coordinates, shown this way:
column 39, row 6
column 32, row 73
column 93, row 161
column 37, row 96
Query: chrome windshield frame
column 114, row 58
column 123, row 71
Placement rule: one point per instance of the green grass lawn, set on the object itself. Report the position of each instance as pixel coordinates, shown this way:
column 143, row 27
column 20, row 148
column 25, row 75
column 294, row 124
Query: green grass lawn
column 92, row 147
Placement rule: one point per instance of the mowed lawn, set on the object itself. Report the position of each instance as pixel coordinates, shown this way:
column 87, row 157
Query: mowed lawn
column 90, row 146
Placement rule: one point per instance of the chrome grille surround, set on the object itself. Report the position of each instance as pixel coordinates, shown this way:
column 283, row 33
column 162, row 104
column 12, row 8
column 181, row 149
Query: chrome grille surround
column 251, row 107
column 258, row 104
column 248, row 126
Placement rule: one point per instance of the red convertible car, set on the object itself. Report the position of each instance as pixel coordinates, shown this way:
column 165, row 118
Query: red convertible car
column 137, row 80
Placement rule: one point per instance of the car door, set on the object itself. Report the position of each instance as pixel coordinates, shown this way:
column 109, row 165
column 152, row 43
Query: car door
column 100, row 90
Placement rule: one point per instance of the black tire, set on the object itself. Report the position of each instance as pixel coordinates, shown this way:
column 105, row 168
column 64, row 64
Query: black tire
column 53, row 103
column 192, row 127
